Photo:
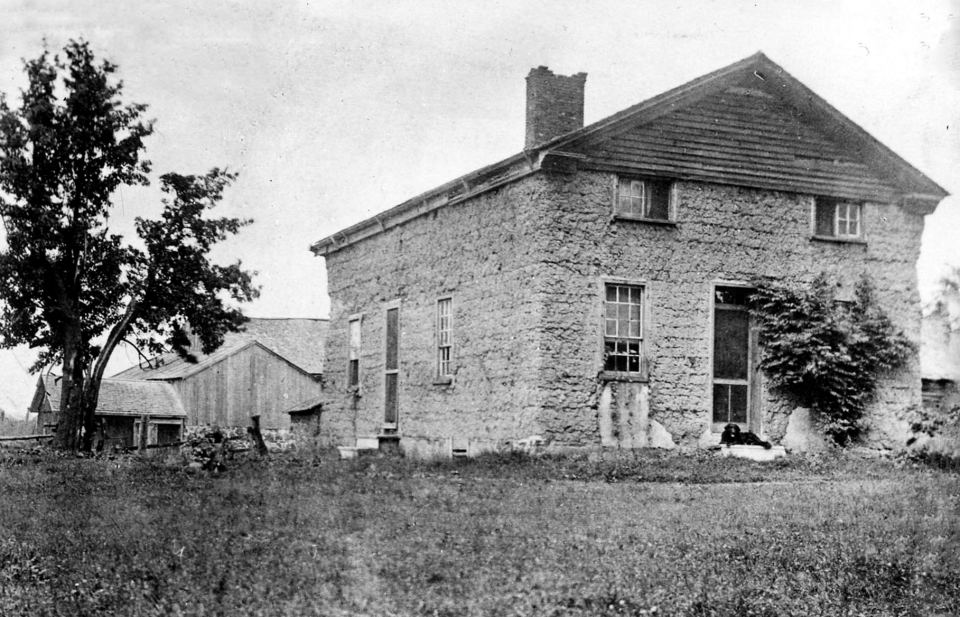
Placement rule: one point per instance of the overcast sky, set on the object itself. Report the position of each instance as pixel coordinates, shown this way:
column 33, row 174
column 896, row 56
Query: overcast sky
column 333, row 111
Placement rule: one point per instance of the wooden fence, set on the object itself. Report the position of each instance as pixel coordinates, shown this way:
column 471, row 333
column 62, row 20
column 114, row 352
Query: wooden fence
column 26, row 438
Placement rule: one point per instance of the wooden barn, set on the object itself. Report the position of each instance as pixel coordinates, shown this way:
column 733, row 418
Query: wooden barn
column 121, row 407
column 272, row 366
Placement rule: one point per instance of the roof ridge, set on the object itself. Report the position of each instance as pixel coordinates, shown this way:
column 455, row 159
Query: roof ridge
column 527, row 161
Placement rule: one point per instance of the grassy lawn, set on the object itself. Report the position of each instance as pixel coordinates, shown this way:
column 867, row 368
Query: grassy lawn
column 634, row 534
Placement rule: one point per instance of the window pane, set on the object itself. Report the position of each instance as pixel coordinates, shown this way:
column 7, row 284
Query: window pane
column 353, row 378
column 825, row 211
column 611, row 294
column 738, row 404
column 721, row 403
column 391, row 399
column 659, row 201
column 393, row 319
column 630, row 196
column 354, row 339
column 730, row 344
column 736, row 296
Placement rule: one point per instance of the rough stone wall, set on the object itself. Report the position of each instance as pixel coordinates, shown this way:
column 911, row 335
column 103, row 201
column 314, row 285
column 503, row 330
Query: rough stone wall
column 724, row 233
column 484, row 254
column 524, row 265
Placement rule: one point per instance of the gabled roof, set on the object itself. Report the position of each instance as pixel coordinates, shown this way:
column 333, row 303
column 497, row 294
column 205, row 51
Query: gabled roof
column 118, row 397
column 914, row 189
column 297, row 341
column 174, row 367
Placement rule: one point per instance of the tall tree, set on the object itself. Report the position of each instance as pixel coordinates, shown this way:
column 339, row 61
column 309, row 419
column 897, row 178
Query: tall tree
column 68, row 286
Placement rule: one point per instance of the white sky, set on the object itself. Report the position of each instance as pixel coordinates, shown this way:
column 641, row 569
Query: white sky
column 333, row 111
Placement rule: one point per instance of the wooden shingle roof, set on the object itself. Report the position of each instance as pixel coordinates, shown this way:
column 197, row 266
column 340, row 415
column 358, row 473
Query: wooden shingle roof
column 119, row 397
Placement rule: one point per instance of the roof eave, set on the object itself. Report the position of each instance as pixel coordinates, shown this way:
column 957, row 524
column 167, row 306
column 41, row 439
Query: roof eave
column 458, row 190
column 920, row 194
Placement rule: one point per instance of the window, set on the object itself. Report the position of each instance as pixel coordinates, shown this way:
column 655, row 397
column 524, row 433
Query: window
column 391, row 403
column 645, row 199
column 353, row 369
column 837, row 219
column 445, row 337
column 168, row 432
column 623, row 328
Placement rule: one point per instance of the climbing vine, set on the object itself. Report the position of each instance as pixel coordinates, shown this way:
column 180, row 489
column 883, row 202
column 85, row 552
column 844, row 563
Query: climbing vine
column 825, row 354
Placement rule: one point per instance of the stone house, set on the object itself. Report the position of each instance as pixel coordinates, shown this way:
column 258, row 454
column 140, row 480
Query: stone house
column 590, row 289
column 271, row 366
column 121, row 407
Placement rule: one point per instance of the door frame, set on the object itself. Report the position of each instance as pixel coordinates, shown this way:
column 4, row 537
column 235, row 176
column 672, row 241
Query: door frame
column 754, row 376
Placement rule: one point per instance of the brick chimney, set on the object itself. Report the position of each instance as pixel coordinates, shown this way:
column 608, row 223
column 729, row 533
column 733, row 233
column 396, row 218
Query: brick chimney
column 554, row 105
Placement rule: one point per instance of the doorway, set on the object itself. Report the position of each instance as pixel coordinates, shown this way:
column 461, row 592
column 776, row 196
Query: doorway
column 735, row 382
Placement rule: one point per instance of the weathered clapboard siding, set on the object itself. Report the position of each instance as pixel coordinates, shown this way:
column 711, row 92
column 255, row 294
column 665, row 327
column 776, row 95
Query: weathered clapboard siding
column 735, row 137
column 252, row 381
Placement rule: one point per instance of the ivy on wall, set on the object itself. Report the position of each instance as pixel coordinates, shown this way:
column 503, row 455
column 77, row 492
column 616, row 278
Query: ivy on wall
column 825, row 354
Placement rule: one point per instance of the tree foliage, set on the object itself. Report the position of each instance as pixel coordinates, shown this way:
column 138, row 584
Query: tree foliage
column 68, row 286
column 825, row 354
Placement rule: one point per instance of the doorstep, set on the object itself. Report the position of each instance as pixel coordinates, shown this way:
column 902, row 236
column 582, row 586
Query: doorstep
column 754, row 453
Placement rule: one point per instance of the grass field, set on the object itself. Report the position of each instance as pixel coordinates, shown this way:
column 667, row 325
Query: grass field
column 633, row 534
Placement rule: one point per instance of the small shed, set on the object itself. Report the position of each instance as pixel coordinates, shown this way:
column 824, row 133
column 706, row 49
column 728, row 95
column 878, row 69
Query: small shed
column 305, row 419
column 120, row 408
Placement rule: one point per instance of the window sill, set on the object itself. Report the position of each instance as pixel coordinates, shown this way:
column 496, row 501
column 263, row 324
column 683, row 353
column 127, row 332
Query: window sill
column 643, row 219
column 443, row 381
column 838, row 240
column 622, row 376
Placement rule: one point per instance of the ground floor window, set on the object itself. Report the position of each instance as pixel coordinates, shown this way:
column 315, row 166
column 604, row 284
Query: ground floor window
column 168, row 433
column 623, row 328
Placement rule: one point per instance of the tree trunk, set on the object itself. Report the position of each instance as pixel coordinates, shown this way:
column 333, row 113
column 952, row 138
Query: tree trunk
column 88, row 412
column 70, row 417
column 254, row 431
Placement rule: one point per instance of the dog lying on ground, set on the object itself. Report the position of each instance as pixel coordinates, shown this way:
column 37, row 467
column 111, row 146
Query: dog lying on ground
column 732, row 436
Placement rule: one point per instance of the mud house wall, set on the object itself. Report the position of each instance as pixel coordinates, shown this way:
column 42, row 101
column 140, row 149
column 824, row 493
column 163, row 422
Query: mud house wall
column 723, row 233
column 250, row 382
column 483, row 254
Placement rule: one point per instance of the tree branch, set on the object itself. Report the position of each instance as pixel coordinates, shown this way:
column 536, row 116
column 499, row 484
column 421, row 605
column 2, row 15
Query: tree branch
column 117, row 334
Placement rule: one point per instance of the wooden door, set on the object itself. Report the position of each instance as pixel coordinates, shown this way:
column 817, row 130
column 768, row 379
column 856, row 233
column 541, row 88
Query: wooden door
column 734, row 380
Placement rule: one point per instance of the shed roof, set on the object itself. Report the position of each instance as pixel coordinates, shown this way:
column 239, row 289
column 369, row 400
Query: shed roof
column 298, row 341
column 914, row 189
column 119, row 397
column 310, row 404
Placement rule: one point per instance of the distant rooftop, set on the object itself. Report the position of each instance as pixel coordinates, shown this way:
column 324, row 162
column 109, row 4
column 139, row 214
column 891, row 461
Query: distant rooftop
column 300, row 341
column 121, row 397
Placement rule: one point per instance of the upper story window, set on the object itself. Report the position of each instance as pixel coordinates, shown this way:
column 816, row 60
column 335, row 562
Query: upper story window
column 623, row 329
column 645, row 199
column 835, row 218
